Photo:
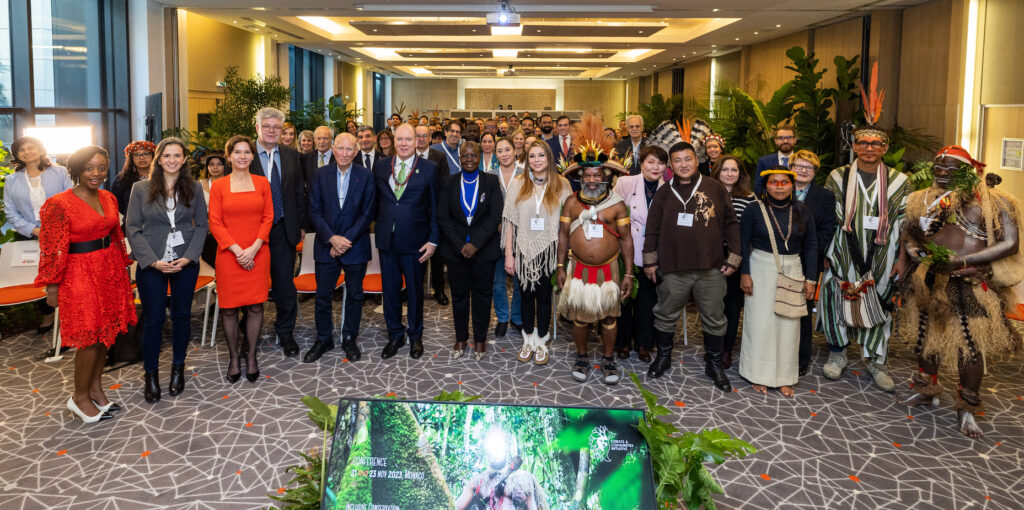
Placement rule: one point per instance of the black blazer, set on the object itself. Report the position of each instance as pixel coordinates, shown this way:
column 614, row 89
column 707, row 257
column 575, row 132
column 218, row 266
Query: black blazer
column 147, row 225
column 625, row 147
column 822, row 204
column 309, row 162
column 404, row 225
column 483, row 233
column 293, row 191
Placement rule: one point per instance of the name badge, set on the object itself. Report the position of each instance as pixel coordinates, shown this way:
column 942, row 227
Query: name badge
column 926, row 223
column 175, row 239
column 685, row 219
column 536, row 223
column 596, row 230
column 871, row 222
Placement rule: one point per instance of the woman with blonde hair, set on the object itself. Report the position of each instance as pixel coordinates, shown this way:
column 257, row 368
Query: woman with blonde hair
column 518, row 143
column 306, row 143
column 289, row 135
column 530, row 239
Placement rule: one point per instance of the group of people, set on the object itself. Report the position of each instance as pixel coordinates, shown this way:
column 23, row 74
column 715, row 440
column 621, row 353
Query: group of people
column 627, row 231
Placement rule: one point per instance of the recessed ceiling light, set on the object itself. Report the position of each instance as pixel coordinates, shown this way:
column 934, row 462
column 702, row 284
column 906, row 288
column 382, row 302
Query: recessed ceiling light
column 693, row 53
column 737, row 38
column 256, row 29
column 715, row 10
column 375, row 30
column 714, row 45
column 234, row 22
column 474, row 30
column 778, row 26
column 259, row 8
column 755, row 33
column 639, row 31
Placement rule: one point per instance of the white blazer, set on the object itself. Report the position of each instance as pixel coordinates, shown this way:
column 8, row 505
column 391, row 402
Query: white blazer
column 631, row 189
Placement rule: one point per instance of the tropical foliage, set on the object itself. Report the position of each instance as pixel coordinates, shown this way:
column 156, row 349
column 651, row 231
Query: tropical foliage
column 4, row 172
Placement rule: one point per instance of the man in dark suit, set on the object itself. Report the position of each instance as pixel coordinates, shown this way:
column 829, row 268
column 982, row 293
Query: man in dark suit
column 341, row 205
column 407, row 235
column 561, row 143
column 450, row 146
column 321, row 155
column 822, row 204
column 469, row 211
column 368, row 155
column 785, row 140
column 546, row 126
column 632, row 145
column 425, row 151
column 281, row 165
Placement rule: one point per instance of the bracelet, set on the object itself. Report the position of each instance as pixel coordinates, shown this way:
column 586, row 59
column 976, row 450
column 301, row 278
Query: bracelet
column 622, row 221
column 629, row 276
column 561, row 265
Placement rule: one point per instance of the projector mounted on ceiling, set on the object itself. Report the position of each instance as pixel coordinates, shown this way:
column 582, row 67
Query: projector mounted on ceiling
column 505, row 17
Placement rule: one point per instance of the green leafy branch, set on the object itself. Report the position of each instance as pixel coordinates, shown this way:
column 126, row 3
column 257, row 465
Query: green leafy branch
column 678, row 458
column 937, row 254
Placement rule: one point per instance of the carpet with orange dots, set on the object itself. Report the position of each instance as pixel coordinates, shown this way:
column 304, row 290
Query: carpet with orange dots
column 837, row 444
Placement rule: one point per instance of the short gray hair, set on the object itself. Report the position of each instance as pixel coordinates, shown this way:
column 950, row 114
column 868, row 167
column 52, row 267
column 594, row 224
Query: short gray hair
column 364, row 127
column 269, row 112
column 631, row 117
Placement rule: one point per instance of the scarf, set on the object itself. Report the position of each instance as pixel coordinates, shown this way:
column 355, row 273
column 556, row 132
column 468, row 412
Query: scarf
column 881, row 189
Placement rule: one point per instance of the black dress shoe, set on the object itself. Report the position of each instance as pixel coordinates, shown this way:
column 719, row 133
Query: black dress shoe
column 233, row 378
column 392, row 348
column 252, row 377
column 804, row 370
column 288, row 345
column 500, row 330
column 44, row 329
column 515, row 327
column 318, row 349
column 177, row 384
column 416, row 349
column 351, row 349
column 442, row 298
column 151, row 388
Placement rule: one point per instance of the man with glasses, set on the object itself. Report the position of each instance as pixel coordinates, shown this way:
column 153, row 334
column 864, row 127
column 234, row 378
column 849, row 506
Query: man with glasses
column 281, row 166
column 630, row 146
column 858, row 285
column 785, row 140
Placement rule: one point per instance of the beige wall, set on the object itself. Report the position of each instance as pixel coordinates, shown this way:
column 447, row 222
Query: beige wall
column 424, row 94
column 886, row 37
column 633, row 95
column 765, row 64
column 999, row 123
column 523, row 98
column 837, row 39
column 729, row 67
column 664, row 84
column 601, row 96
column 1002, row 41
column 213, row 46
column 697, row 79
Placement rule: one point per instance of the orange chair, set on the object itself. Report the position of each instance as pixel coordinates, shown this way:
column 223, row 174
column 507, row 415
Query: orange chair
column 19, row 264
column 371, row 282
column 305, row 282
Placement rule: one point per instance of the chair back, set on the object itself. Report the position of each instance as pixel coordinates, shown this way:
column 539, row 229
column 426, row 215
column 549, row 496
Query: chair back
column 19, row 263
column 306, row 263
column 374, row 266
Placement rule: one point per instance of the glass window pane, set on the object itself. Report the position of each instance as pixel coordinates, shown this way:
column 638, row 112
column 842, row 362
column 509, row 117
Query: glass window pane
column 67, row 53
column 7, row 129
column 6, row 96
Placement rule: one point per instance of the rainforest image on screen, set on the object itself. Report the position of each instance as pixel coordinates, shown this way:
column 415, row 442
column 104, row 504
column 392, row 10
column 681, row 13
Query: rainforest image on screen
column 393, row 455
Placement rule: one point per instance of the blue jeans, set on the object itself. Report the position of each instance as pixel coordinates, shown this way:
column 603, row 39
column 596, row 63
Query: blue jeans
column 501, row 294
column 152, row 286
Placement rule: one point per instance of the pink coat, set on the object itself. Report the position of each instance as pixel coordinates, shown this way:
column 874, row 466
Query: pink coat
column 631, row 189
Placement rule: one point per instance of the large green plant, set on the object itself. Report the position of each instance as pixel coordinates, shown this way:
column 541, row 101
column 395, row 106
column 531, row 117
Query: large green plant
column 5, row 171
column 310, row 116
column 661, row 109
column 746, row 123
column 243, row 97
column 339, row 112
column 815, row 129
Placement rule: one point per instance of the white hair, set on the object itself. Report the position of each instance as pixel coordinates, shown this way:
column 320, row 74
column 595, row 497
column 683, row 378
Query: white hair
column 269, row 113
column 631, row 117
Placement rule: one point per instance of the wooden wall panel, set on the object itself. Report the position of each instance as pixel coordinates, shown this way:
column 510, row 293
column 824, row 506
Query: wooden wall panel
column 521, row 99
column 697, row 79
column 200, row 102
column 766, row 64
column 729, row 67
column 633, row 95
column 1001, row 62
column 884, row 47
column 664, row 84
column 837, row 39
column 426, row 94
column 606, row 97
column 999, row 123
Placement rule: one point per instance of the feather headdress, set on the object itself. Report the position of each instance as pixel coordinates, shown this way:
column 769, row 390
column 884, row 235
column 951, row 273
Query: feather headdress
column 591, row 149
column 873, row 98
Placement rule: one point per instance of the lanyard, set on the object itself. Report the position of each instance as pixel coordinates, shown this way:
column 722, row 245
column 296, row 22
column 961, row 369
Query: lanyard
column 170, row 211
column 471, row 206
column 537, row 200
column 687, row 201
column 394, row 176
column 501, row 178
column 872, row 200
column 453, row 159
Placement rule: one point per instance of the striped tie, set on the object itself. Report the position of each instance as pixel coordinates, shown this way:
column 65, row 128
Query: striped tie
column 275, row 189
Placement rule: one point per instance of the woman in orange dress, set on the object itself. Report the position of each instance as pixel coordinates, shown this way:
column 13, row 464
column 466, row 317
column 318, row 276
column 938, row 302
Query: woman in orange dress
column 241, row 214
column 82, row 264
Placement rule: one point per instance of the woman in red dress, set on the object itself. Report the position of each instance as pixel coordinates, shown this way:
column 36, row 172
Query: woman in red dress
column 241, row 214
column 82, row 264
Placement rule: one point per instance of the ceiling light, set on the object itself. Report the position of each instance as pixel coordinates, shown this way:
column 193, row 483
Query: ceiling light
column 323, row 23
column 714, row 45
column 234, row 22
column 755, row 33
column 693, row 53
column 778, row 26
column 715, row 10
column 474, row 30
column 516, row 30
column 639, row 31
column 419, row 70
column 633, row 54
column 375, row 30
column 505, row 53
column 737, row 38
column 259, row 8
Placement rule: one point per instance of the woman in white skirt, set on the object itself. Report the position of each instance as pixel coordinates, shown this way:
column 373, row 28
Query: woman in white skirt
column 771, row 342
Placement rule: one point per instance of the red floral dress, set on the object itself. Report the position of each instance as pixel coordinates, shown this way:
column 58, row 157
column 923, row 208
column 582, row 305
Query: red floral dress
column 95, row 296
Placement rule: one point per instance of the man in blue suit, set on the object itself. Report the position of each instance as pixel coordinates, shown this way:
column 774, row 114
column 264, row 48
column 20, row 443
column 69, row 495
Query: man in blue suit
column 342, row 196
column 561, row 143
column 407, row 235
column 785, row 140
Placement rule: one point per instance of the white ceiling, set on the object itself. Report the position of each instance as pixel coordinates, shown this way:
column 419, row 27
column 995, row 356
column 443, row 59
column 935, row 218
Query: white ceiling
column 412, row 37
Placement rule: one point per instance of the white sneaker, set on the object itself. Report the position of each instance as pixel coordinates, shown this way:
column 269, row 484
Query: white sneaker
column 835, row 365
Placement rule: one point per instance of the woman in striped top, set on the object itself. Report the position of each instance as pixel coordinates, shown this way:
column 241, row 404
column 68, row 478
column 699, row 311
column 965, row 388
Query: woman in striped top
column 730, row 172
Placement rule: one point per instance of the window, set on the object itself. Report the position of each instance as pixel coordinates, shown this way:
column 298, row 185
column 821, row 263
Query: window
column 67, row 60
column 306, row 75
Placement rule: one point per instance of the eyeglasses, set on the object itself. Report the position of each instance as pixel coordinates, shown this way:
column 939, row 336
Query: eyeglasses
column 785, row 138
column 142, row 154
column 865, row 144
column 268, row 127
column 802, row 167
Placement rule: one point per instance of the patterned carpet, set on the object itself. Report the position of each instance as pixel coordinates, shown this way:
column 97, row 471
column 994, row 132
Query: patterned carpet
column 836, row 445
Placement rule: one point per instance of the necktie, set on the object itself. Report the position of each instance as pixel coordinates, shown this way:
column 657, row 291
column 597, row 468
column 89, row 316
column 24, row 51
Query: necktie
column 275, row 188
column 565, row 147
column 321, row 161
column 400, row 184
column 366, row 161
column 785, row 161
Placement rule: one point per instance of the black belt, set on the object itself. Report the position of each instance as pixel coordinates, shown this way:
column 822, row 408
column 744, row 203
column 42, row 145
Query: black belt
column 88, row 246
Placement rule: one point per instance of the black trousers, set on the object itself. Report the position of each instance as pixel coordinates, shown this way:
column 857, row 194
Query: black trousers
column 733, row 307
column 437, row 274
column 806, row 330
column 326, row 278
column 536, row 305
column 282, row 272
column 472, row 283
column 636, row 325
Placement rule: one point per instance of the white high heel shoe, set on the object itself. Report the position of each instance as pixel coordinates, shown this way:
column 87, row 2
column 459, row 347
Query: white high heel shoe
column 75, row 411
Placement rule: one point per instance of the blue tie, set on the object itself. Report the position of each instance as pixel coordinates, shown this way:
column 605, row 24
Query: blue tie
column 275, row 189
column 785, row 161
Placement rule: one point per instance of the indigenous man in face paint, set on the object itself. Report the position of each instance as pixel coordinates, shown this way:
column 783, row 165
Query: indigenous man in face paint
column 962, row 241
column 595, row 227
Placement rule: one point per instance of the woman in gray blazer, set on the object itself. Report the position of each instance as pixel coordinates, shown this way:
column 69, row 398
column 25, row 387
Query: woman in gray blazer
column 166, row 225
column 34, row 180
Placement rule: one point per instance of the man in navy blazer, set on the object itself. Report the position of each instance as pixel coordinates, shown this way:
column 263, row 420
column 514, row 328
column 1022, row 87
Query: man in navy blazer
column 407, row 235
column 342, row 196
column 562, row 140
column 785, row 140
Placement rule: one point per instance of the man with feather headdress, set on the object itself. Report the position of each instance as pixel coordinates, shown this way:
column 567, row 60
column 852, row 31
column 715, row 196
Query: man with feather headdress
column 962, row 242
column 857, row 287
column 594, row 227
